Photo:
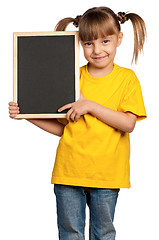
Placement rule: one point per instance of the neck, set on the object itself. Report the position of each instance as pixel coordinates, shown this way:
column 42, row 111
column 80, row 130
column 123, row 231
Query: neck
column 99, row 72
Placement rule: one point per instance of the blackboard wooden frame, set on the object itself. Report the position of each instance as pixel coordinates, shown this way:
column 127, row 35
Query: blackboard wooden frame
column 16, row 80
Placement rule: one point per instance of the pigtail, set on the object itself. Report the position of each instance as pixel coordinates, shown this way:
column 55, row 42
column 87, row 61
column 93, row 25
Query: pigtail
column 62, row 24
column 139, row 31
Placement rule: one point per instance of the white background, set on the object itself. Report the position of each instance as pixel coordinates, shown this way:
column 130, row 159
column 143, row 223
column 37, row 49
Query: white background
column 27, row 202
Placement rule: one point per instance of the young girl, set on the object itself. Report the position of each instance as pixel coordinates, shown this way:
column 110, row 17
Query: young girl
column 92, row 158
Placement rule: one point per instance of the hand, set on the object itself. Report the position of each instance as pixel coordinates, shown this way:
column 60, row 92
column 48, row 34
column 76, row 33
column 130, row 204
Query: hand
column 13, row 109
column 78, row 108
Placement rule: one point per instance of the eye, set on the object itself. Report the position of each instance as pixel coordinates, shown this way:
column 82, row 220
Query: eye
column 87, row 43
column 105, row 41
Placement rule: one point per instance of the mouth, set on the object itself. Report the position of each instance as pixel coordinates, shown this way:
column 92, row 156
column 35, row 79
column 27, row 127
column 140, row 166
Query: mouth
column 99, row 58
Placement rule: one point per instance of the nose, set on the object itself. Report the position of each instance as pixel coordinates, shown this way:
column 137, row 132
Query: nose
column 97, row 48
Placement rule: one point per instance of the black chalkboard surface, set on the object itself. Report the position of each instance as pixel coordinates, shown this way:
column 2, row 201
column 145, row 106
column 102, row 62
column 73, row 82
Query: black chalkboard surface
column 46, row 73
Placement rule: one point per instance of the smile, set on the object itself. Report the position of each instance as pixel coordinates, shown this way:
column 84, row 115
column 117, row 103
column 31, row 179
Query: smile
column 99, row 58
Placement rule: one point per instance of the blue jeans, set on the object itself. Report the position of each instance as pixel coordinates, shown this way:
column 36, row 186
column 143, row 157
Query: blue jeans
column 71, row 204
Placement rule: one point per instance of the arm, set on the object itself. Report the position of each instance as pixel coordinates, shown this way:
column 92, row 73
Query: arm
column 122, row 121
column 49, row 125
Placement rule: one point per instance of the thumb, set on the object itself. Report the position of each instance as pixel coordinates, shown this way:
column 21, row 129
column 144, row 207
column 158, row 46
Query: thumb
column 81, row 95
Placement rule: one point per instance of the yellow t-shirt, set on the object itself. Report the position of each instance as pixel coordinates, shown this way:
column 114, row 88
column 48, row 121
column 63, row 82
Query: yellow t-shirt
column 90, row 152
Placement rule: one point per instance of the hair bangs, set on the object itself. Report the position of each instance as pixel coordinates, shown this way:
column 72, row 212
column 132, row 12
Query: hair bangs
column 95, row 25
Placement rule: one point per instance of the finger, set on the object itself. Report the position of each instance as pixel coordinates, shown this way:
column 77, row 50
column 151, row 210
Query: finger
column 13, row 115
column 77, row 117
column 72, row 116
column 81, row 96
column 65, row 107
column 13, row 104
column 69, row 114
column 13, row 111
column 13, row 108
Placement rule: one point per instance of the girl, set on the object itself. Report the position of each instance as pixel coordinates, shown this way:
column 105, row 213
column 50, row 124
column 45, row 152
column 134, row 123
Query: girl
column 92, row 158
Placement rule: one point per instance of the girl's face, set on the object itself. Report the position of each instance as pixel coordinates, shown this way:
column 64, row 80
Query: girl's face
column 100, row 53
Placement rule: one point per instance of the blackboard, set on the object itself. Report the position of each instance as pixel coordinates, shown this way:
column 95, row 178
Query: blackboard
column 46, row 72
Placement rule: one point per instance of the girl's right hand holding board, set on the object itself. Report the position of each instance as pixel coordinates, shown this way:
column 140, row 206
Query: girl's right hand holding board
column 49, row 125
column 13, row 109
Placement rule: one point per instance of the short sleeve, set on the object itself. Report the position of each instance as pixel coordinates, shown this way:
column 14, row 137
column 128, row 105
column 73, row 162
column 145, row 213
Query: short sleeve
column 63, row 121
column 132, row 101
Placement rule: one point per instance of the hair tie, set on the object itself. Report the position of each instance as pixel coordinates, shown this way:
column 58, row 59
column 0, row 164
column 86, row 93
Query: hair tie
column 122, row 18
column 76, row 20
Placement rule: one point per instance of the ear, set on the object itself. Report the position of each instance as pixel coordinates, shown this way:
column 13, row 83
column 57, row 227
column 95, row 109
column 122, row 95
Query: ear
column 120, row 37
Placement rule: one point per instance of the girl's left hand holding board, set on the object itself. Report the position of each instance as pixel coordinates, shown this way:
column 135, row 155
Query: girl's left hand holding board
column 78, row 108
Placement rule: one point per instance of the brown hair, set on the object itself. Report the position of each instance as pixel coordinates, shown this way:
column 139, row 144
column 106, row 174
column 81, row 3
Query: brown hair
column 94, row 23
